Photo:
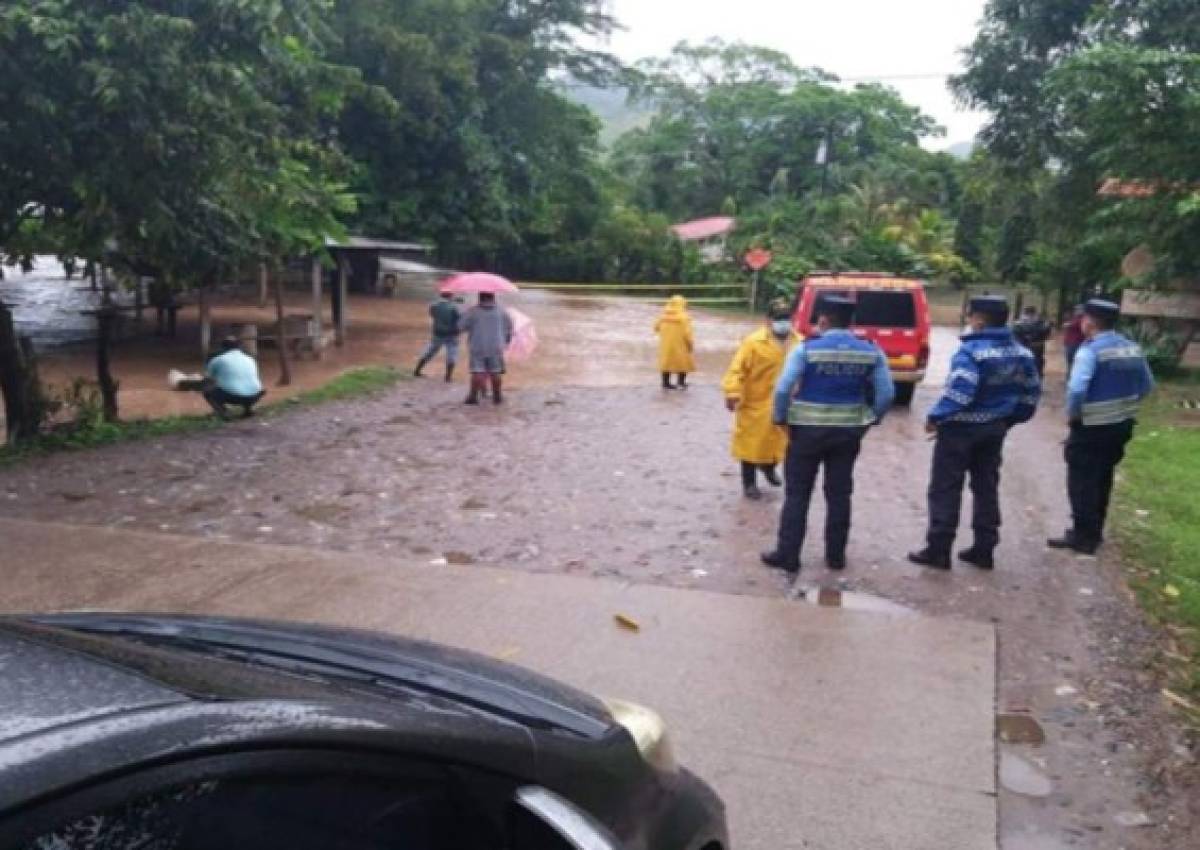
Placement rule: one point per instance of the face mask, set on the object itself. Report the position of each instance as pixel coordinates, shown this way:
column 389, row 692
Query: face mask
column 782, row 328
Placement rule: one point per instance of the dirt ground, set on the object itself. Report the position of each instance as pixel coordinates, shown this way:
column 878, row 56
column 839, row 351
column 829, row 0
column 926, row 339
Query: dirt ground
column 590, row 469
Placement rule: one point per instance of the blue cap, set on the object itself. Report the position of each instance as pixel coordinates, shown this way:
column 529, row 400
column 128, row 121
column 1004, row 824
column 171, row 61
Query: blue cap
column 835, row 305
column 1102, row 309
column 989, row 305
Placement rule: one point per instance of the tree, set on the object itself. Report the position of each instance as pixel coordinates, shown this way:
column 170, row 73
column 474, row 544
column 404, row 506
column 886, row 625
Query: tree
column 462, row 132
column 1082, row 91
column 145, row 134
column 731, row 118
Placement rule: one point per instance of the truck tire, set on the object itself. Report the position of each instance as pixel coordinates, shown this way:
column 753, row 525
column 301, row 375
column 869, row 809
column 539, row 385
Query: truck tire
column 904, row 394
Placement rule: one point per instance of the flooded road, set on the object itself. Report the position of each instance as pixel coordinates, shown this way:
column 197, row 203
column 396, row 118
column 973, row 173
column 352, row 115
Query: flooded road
column 590, row 469
column 585, row 342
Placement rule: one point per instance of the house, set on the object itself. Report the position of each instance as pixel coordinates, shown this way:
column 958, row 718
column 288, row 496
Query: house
column 709, row 235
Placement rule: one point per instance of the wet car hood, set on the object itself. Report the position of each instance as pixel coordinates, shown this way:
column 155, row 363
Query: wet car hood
column 369, row 660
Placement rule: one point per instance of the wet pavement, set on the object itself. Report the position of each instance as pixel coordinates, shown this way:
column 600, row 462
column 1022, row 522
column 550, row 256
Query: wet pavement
column 590, row 470
column 775, row 703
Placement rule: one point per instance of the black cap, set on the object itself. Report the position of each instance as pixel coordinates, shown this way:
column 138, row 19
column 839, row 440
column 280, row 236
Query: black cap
column 1102, row 309
column 989, row 305
column 779, row 309
column 835, row 305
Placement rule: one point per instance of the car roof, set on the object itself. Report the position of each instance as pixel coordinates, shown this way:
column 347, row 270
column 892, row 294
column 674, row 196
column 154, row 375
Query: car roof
column 862, row 280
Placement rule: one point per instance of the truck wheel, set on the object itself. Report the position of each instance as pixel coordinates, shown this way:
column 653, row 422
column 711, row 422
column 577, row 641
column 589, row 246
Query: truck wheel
column 904, row 394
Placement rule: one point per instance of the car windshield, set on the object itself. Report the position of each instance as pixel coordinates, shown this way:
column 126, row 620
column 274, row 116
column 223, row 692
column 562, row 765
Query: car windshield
column 880, row 308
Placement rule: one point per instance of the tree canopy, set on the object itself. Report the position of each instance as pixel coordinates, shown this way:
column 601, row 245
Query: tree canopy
column 1083, row 92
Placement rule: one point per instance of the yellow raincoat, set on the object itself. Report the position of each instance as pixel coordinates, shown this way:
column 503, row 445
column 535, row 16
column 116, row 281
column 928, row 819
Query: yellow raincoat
column 675, row 339
column 751, row 380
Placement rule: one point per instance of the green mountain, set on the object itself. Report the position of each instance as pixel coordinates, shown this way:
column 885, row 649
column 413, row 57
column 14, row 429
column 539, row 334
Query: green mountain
column 612, row 107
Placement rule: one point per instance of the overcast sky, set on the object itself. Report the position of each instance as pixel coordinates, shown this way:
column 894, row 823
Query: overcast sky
column 850, row 38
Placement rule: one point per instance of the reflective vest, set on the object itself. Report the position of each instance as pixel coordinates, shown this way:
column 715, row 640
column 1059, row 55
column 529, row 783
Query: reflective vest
column 1119, row 383
column 839, row 369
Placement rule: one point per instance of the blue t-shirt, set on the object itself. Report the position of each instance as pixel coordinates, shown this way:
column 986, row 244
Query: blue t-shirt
column 236, row 373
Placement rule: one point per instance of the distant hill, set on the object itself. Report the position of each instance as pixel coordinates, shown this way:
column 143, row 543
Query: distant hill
column 961, row 150
column 612, row 108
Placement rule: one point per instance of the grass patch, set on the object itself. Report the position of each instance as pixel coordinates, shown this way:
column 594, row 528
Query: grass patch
column 1159, row 525
column 350, row 384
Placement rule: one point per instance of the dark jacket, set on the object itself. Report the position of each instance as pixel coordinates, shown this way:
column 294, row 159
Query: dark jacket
column 446, row 316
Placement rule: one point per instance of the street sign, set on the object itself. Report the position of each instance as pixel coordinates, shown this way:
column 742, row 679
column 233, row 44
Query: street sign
column 758, row 259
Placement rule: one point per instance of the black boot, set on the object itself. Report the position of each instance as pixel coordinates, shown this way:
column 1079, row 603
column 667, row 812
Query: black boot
column 449, row 373
column 750, row 482
column 977, row 557
column 666, row 378
column 1071, row 541
column 837, row 563
column 683, row 385
column 929, row 558
column 777, row 561
column 420, row 367
column 497, row 390
column 772, row 475
column 473, row 395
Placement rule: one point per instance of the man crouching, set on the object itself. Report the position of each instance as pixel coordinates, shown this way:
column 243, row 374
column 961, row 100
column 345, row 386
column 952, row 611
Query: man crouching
column 233, row 380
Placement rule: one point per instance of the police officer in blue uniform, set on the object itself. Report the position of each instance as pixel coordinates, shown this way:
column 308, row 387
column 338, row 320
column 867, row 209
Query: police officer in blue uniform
column 993, row 385
column 834, row 386
column 1109, row 379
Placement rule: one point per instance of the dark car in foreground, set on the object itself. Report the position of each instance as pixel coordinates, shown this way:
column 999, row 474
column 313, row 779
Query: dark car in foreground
column 124, row 732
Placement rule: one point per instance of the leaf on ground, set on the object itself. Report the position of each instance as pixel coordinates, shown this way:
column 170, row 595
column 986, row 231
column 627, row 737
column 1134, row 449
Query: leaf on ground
column 627, row 623
column 1171, row 591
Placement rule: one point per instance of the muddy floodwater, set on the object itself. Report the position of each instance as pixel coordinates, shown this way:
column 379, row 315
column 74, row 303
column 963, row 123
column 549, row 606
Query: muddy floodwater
column 585, row 342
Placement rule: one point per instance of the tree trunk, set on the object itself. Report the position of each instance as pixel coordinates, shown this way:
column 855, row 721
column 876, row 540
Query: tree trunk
column 285, row 368
column 17, row 383
column 105, row 320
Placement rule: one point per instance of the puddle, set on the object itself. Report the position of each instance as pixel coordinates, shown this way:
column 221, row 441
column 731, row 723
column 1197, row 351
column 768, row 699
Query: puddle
column 1019, row 728
column 832, row 597
column 1022, row 777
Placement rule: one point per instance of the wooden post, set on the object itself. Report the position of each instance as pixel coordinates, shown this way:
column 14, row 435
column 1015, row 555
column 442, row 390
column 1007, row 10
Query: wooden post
column 247, row 335
column 754, row 293
column 139, row 299
column 341, row 302
column 205, row 323
column 318, row 275
column 263, row 290
column 285, row 369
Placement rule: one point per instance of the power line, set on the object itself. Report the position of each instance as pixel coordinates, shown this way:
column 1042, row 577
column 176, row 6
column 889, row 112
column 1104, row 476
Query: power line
column 887, row 78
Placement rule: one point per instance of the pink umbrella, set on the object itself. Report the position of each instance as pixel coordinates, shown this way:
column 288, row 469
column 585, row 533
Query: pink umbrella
column 525, row 338
column 478, row 282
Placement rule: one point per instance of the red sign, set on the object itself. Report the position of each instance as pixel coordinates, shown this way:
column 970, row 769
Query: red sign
column 758, row 259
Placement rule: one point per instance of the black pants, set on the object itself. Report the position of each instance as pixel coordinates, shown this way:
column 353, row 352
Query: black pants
column 835, row 449
column 750, row 472
column 963, row 449
column 1093, row 454
column 217, row 398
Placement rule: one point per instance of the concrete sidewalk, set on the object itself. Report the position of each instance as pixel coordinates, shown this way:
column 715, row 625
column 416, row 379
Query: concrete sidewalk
column 821, row 728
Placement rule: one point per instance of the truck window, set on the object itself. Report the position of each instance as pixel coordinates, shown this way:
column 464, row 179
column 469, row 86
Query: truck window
column 825, row 293
column 879, row 308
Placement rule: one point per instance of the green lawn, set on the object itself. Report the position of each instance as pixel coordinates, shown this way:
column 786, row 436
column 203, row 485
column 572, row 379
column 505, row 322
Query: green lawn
column 350, row 384
column 1159, row 525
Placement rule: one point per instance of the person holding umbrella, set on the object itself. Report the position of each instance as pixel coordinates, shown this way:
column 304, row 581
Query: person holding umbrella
column 489, row 331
